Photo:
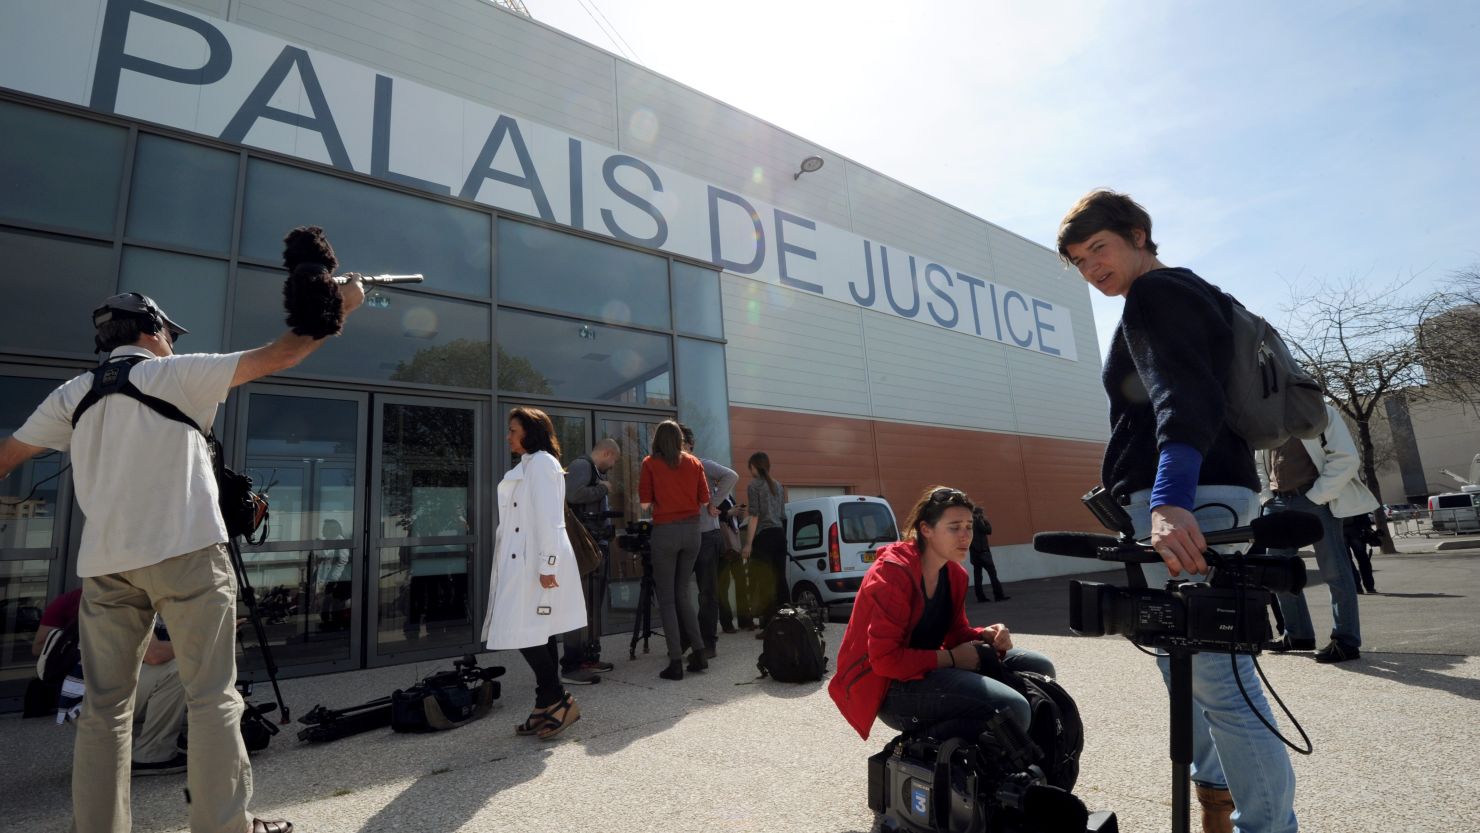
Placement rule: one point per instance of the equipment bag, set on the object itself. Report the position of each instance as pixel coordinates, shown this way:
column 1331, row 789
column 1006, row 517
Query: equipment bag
column 792, row 650
column 447, row 699
column 243, row 511
column 60, row 653
column 1270, row 398
column 588, row 552
column 1055, row 728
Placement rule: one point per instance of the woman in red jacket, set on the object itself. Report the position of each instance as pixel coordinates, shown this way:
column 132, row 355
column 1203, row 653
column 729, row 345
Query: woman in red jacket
column 909, row 656
column 673, row 485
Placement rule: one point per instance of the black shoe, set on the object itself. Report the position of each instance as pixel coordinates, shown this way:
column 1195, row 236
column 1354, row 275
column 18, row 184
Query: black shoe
column 597, row 666
column 697, row 662
column 1285, row 643
column 711, row 652
column 1002, row 598
column 980, row 598
column 674, row 671
column 1360, row 591
column 580, row 676
column 1372, row 590
column 1337, row 652
column 728, row 629
column 169, row 767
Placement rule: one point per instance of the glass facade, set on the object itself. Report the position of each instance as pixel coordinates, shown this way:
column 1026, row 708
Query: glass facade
column 380, row 530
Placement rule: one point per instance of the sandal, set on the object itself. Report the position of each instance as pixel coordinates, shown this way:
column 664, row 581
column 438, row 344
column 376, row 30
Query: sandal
column 569, row 714
column 537, row 719
column 265, row 826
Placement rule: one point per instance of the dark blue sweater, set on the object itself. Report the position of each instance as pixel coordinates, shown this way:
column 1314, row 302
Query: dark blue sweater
column 1164, row 376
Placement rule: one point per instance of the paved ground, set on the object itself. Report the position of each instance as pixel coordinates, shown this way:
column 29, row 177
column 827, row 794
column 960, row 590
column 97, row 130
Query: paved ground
column 1395, row 737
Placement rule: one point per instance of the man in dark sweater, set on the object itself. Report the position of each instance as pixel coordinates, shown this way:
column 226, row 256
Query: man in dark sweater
column 1175, row 465
column 587, row 491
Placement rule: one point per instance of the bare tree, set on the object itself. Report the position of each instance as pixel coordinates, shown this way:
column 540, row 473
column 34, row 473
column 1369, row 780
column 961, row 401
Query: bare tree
column 1364, row 344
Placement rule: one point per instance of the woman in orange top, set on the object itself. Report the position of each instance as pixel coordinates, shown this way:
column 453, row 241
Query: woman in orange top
column 674, row 486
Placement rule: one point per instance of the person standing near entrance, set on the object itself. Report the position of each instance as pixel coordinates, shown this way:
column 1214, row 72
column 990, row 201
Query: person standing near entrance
column 1319, row 477
column 765, row 540
column 587, row 491
column 155, row 542
column 534, row 593
column 722, row 480
column 981, row 557
column 672, row 484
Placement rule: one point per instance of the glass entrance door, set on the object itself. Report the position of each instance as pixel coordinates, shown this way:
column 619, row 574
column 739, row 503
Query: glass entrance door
column 425, row 529
column 634, row 433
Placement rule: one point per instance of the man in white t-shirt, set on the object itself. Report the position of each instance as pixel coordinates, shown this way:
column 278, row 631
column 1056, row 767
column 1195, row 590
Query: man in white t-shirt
column 155, row 542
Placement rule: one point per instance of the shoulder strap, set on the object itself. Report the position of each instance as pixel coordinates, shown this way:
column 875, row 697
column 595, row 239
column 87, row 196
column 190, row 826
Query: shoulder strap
column 592, row 463
column 112, row 377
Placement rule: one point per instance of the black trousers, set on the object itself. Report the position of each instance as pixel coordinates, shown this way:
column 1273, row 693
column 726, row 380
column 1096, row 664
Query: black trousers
column 1362, row 572
column 769, row 591
column 544, row 660
column 733, row 573
column 706, row 577
column 983, row 561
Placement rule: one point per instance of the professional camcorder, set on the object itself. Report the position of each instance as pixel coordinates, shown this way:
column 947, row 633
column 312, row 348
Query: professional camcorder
column 599, row 524
column 1225, row 613
column 638, row 537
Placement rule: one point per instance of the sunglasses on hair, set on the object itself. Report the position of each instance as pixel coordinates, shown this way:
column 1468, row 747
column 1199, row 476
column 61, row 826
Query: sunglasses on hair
column 948, row 496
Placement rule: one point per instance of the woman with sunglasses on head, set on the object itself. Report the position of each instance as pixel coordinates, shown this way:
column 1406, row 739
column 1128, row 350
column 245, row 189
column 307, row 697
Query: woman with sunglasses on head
column 909, row 656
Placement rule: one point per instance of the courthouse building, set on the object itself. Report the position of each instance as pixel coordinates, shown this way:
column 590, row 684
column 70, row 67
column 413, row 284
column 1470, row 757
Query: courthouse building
column 598, row 240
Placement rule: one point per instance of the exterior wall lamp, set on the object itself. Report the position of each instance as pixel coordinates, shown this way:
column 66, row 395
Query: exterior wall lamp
column 810, row 164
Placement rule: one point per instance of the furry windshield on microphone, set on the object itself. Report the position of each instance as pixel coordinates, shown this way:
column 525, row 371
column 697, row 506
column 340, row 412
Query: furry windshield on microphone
column 310, row 294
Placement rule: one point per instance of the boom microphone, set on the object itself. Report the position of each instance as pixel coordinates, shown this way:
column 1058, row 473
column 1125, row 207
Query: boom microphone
column 381, row 279
column 1073, row 544
column 1285, row 530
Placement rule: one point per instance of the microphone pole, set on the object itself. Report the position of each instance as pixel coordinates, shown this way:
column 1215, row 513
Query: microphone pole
column 377, row 280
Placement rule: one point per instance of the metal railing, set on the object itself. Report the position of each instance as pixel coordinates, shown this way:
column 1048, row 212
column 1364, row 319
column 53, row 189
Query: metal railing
column 1426, row 523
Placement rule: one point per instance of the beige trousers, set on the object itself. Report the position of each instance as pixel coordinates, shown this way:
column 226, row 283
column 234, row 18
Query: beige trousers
column 196, row 595
column 162, row 699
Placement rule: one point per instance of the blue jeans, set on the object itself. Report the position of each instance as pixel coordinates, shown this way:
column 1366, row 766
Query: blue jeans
column 1335, row 568
column 1230, row 746
column 955, row 701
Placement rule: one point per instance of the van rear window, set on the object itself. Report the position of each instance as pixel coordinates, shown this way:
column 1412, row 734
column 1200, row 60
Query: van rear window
column 863, row 523
column 1454, row 501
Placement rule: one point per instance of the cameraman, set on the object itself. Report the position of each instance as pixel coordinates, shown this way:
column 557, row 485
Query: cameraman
column 1171, row 455
column 587, row 491
column 909, row 656
column 155, row 542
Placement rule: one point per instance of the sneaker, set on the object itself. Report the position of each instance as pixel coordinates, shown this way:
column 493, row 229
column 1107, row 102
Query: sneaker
column 169, row 767
column 580, row 676
column 1337, row 652
column 597, row 665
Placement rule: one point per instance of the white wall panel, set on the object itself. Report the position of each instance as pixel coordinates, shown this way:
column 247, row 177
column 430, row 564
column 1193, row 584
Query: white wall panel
column 465, row 47
column 666, row 122
column 898, row 215
column 1055, row 398
column 792, row 350
column 937, row 377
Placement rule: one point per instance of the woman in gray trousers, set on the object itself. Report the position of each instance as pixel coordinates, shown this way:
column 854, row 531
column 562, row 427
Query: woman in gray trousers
column 673, row 485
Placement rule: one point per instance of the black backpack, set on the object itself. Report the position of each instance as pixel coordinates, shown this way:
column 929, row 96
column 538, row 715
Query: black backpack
column 792, row 650
column 1055, row 728
column 59, row 654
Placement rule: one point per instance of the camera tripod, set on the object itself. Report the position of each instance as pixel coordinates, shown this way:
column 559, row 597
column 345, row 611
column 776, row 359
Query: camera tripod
column 250, row 597
column 642, row 625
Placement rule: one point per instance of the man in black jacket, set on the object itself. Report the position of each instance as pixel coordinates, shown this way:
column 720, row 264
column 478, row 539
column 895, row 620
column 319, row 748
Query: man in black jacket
column 1175, row 465
column 587, row 491
column 981, row 557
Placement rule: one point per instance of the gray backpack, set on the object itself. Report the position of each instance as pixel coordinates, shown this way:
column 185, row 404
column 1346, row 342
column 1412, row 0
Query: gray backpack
column 1270, row 397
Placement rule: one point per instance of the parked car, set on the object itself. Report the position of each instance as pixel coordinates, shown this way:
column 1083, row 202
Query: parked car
column 1400, row 511
column 831, row 543
column 1456, row 511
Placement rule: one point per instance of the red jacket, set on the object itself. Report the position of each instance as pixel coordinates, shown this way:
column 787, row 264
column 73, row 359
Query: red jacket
column 875, row 647
column 677, row 493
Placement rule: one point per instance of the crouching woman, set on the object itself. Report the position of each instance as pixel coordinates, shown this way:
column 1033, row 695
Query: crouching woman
column 909, row 656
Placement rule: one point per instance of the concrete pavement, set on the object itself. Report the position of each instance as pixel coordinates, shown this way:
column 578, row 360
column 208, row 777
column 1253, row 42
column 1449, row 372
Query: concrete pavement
column 1394, row 736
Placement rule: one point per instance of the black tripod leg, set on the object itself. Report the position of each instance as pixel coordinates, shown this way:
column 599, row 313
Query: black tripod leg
column 250, row 597
column 1181, row 717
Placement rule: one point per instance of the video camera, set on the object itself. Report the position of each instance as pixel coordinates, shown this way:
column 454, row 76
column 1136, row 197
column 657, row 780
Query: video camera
column 638, row 538
column 1224, row 614
column 599, row 523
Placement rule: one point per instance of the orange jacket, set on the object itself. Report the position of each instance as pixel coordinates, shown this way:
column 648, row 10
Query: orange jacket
column 676, row 494
column 875, row 647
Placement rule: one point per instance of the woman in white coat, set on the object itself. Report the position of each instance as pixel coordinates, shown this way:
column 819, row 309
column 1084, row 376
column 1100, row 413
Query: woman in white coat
column 535, row 591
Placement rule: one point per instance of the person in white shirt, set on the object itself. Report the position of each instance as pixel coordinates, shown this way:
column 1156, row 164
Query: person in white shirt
column 155, row 542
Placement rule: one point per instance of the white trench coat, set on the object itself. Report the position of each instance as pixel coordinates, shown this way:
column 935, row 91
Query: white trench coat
column 530, row 542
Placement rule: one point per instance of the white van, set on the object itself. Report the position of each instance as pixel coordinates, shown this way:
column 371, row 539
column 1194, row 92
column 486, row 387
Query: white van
column 831, row 542
column 1456, row 511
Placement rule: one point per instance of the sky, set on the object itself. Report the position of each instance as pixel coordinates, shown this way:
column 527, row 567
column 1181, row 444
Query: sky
column 1278, row 146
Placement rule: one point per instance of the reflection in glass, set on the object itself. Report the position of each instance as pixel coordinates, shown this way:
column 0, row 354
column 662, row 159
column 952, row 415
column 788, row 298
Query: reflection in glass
column 703, row 400
column 411, row 338
column 696, row 301
column 59, row 170
column 306, row 616
column 192, row 290
column 27, row 519
column 422, row 593
column 581, row 361
column 572, row 433
column 67, row 277
column 183, row 194
column 301, row 452
column 635, row 438
column 22, row 599
column 426, row 474
column 540, row 267
column 373, row 230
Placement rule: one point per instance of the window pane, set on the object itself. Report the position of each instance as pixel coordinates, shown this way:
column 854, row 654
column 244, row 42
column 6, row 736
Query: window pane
column 65, row 278
column 304, row 598
column 544, row 268
column 22, row 599
column 866, row 523
column 397, row 335
column 573, row 360
column 426, row 471
column 423, row 598
column 301, row 452
column 373, row 230
column 703, row 401
column 696, row 302
column 191, row 290
column 59, row 170
column 182, row 193
column 29, row 523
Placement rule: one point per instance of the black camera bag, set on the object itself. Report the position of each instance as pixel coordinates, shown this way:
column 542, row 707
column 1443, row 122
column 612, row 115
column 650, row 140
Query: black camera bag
column 1054, row 727
column 792, row 650
column 446, row 700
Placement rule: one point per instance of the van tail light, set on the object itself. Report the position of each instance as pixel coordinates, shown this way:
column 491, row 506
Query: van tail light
column 834, row 551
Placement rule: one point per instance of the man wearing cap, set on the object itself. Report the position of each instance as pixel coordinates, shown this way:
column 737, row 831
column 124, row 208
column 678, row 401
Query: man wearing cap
column 155, row 542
